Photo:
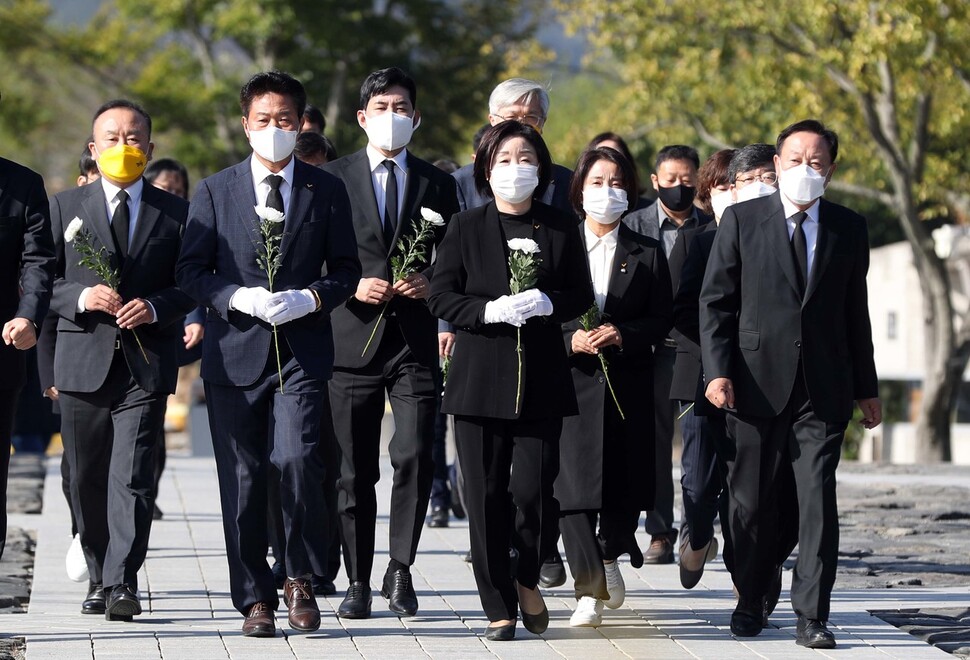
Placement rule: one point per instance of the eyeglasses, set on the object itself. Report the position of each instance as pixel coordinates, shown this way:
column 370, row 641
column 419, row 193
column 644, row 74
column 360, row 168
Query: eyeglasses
column 532, row 120
column 769, row 178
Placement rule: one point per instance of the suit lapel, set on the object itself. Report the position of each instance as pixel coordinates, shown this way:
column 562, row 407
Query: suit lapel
column 824, row 247
column 625, row 261
column 243, row 194
column 300, row 196
column 148, row 215
column 360, row 188
column 779, row 244
column 96, row 217
column 415, row 186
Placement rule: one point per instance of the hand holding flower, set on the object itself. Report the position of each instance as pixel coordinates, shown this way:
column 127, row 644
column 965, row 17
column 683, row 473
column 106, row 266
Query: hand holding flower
column 374, row 291
column 606, row 335
column 102, row 298
column 414, row 286
column 580, row 343
column 134, row 313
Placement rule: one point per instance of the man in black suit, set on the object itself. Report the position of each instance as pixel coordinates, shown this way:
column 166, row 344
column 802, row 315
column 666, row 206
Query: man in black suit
column 675, row 180
column 390, row 190
column 787, row 347
column 115, row 356
column 268, row 354
column 26, row 272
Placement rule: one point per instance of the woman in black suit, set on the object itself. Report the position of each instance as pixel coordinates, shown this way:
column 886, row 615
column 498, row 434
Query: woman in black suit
column 606, row 459
column 508, row 450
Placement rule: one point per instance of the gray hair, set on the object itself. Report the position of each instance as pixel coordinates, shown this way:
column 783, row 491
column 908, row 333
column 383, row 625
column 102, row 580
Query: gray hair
column 518, row 90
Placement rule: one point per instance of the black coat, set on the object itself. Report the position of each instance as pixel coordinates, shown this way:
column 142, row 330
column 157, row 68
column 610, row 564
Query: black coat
column 472, row 269
column 638, row 303
column 755, row 327
column 353, row 321
column 26, row 259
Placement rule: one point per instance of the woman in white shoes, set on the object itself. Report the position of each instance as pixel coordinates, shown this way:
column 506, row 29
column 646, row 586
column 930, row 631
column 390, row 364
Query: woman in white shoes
column 607, row 451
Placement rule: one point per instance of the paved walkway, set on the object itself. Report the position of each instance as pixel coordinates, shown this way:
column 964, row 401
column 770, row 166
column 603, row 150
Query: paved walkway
column 188, row 613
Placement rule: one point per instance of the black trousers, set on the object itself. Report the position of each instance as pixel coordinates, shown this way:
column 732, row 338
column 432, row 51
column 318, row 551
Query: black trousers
column 660, row 520
column 252, row 427
column 357, row 399
column 781, row 482
column 703, row 470
column 587, row 549
column 506, row 464
column 8, row 408
column 110, row 438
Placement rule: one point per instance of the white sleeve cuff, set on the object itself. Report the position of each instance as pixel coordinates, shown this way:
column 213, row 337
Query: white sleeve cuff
column 152, row 308
column 82, row 299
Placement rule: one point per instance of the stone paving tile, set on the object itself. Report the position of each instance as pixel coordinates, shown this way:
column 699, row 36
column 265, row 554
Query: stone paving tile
column 188, row 613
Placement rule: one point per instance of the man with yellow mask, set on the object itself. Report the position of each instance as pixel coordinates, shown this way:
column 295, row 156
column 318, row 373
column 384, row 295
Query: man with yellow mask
column 115, row 358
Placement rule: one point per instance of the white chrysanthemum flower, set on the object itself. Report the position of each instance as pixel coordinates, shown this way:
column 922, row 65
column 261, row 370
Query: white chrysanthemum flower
column 526, row 245
column 73, row 228
column 268, row 214
column 432, row 216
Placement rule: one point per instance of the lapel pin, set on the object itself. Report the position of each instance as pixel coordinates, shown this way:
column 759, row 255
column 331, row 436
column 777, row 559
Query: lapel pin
column 309, row 186
column 623, row 267
column 535, row 226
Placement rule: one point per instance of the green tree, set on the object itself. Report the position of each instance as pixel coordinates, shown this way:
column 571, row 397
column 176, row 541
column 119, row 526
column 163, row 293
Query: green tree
column 892, row 77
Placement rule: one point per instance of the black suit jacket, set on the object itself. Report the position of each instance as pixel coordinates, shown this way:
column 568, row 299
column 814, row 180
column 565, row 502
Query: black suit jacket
column 219, row 256
column 353, row 322
column 86, row 340
column 688, row 262
column 472, row 269
column 638, row 304
column 755, row 328
column 26, row 259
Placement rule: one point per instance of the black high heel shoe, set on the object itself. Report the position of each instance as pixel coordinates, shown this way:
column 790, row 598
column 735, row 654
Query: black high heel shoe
column 534, row 623
column 504, row 633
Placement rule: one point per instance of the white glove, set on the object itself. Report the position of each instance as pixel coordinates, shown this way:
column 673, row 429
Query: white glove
column 531, row 303
column 250, row 300
column 500, row 311
column 285, row 306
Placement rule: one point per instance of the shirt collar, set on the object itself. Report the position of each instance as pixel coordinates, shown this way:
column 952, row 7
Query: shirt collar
column 260, row 171
column 375, row 158
column 791, row 209
column 608, row 239
column 134, row 191
column 662, row 216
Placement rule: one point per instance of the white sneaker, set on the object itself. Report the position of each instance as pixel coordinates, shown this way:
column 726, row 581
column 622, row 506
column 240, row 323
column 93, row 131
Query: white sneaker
column 75, row 563
column 614, row 585
column 589, row 612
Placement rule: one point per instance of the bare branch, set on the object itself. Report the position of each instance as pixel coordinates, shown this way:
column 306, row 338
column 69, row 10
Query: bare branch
column 707, row 137
column 864, row 191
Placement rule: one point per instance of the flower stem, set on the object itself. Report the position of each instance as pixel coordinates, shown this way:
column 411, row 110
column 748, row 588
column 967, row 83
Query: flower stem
column 279, row 365
column 374, row 331
column 606, row 374
column 143, row 354
column 518, row 381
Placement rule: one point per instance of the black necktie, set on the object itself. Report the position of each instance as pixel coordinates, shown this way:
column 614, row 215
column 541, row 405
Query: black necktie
column 120, row 222
column 274, row 199
column 390, row 205
column 799, row 248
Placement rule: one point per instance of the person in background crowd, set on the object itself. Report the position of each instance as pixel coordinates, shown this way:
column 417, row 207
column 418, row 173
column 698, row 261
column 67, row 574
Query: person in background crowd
column 88, row 171
column 675, row 181
column 314, row 149
column 615, row 141
column 313, row 120
column 384, row 340
column 606, row 459
column 509, row 444
column 787, row 346
column 446, row 165
column 268, row 355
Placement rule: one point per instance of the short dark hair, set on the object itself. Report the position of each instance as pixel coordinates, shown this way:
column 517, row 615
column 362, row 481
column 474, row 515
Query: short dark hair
column 677, row 152
column 123, row 103
column 585, row 163
column 446, row 165
column 312, row 144
column 624, row 149
column 87, row 165
column 810, row 126
column 313, row 114
column 157, row 167
column 713, row 173
column 272, row 82
column 382, row 80
column 751, row 157
column 477, row 138
column 493, row 139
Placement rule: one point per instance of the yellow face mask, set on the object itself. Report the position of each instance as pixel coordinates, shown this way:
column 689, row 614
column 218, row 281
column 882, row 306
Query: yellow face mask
column 122, row 162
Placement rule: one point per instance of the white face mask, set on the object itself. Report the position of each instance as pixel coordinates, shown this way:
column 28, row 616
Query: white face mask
column 754, row 190
column 801, row 184
column 604, row 204
column 720, row 201
column 514, row 183
column 272, row 143
column 390, row 131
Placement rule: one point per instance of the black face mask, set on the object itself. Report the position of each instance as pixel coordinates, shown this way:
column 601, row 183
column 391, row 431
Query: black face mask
column 677, row 198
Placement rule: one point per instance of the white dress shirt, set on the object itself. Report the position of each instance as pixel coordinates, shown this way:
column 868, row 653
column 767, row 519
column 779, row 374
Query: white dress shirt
column 809, row 226
column 600, row 251
column 261, row 186
column 378, row 174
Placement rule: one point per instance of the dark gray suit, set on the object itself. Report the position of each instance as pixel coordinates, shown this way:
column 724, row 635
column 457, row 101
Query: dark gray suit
column 113, row 394
column 26, row 271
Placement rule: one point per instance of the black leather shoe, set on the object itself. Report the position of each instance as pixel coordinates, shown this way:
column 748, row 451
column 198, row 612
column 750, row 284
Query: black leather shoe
column 813, row 634
column 157, row 513
column 500, row 633
column 774, row 593
column 279, row 574
column 551, row 574
column 122, row 604
column 323, row 586
column 661, row 550
column 357, row 602
column 748, row 617
column 95, row 601
column 439, row 517
column 399, row 592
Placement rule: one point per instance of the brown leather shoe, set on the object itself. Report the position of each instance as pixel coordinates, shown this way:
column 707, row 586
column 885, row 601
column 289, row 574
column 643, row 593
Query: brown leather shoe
column 661, row 550
column 304, row 615
column 259, row 621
